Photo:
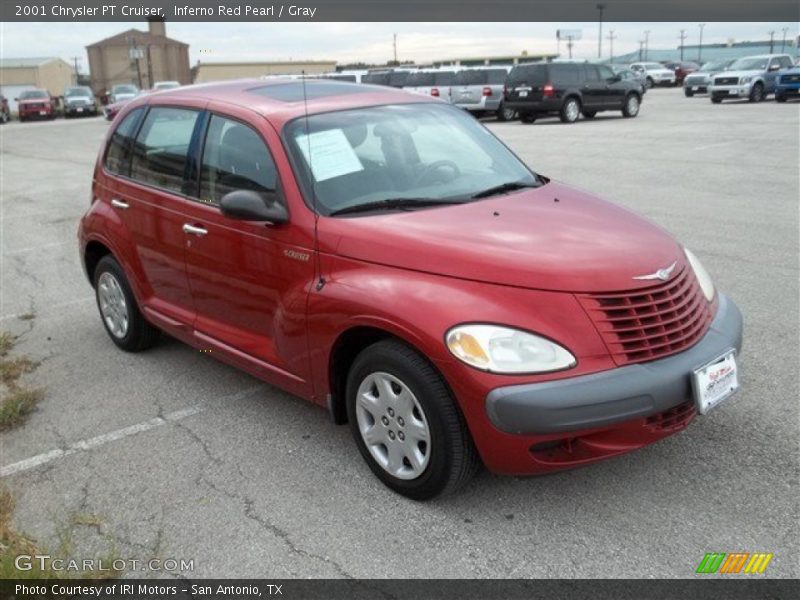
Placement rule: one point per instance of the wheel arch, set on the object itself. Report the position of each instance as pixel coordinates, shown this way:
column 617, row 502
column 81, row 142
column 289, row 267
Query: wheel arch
column 94, row 251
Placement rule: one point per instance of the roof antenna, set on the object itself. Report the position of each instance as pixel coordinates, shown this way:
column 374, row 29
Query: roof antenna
column 317, row 261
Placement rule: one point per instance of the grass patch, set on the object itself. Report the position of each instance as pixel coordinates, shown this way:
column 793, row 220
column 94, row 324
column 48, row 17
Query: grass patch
column 17, row 401
column 14, row 544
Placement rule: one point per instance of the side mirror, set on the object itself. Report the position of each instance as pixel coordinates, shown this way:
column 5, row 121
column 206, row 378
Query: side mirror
column 247, row 205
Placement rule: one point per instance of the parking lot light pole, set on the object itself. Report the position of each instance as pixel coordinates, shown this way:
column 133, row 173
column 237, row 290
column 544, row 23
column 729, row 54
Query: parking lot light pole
column 600, row 8
column 783, row 41
column 683, row 37
column 646, row 42
column 611, row 38
column 700, row 46
column 771, row 40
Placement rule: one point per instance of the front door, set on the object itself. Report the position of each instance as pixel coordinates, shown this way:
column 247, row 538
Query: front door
column 248, row 283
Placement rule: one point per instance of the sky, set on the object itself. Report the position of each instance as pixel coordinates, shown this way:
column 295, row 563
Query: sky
column 372, row 42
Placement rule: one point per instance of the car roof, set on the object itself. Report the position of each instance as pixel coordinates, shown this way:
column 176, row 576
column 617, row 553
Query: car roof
column 282, row 99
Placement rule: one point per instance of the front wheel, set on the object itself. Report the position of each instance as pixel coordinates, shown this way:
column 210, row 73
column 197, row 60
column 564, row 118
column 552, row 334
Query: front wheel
column 688, row 93
column 716, row 100
column 406, row 424
column 527, row 117
column 780, row 98
column 649, row 83
column 631, row 107
column 757, row 93
column 570, row 110
column 121, row 317
column 589, row 114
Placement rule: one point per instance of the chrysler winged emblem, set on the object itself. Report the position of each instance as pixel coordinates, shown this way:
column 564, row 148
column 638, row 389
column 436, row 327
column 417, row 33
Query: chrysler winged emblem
column 662, row 274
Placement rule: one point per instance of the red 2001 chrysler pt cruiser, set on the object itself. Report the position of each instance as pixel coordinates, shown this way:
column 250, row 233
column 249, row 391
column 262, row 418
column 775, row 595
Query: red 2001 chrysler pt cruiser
column 384, row 255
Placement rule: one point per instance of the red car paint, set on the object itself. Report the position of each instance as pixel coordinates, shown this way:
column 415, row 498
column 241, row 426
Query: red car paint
column 36, row 108
column 516, row 259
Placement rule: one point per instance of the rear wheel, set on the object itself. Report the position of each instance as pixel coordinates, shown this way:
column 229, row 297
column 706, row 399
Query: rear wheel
column 631, row 107
column 406, row 424
column 570, row 110
column 505, row 114
column 757, row 93
column 589, row 114
column 120, row 314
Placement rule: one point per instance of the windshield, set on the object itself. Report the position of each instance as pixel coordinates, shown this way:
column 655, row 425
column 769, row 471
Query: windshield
column 713, row 66
column 33, row 94
column 167, row 85
column 749, row 64
column 77, row 91
column 652, row 66
column 124, row 89
column 416, row 152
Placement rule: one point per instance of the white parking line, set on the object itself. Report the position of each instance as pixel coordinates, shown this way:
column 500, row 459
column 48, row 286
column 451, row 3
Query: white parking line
column 94, row 442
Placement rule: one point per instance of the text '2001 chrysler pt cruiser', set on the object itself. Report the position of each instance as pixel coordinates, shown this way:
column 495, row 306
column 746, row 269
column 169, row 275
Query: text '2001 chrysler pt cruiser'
column 384, row 255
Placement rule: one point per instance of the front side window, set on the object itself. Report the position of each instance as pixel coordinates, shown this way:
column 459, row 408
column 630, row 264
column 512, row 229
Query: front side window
column 118, row 156
column 161, row 147
column 234, row 158
column 750, row 64
column 605, row 72
column 413, row 152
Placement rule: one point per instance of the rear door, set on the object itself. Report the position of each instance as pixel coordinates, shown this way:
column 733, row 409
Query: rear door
column 151, row 196
column 616, row 88
column 525, row 83
column 594, row 89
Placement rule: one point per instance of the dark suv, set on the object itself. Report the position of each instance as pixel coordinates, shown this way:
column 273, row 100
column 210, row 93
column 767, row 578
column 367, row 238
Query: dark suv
column 569, row 89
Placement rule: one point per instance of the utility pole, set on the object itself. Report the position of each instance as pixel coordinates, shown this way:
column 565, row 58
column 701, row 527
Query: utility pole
column 75, row 60
column 600, row 8
column 771, row 39
column 394, row 45
column 700, row 47
column 683, row 37
column 611, row 38
column 783, row 41
column 641, row 47
column 646, row 42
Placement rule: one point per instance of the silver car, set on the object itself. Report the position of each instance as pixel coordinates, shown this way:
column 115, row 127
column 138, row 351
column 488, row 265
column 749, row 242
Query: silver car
column 122, row 92
column 78, row 101
column 431, row 82
column 654, row 73
column 698, row 82
column 480, row 91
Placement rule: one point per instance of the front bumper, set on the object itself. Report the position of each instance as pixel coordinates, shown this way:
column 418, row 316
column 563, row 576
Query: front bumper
column 81, row 110
column 788, row 89
column 612, row 397
column 663, row 79
column 731, row 91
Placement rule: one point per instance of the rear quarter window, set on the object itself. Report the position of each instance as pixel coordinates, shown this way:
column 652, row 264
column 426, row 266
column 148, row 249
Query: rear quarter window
column 497, row 76
column 565, row 75
column 118, row 153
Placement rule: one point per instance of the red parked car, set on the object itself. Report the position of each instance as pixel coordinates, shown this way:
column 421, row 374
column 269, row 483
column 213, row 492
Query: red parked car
column 383, row 255
column 682, row 69
column 36, row 104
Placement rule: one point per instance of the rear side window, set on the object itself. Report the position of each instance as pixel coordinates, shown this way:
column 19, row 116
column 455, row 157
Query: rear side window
column 398, row 78
column 118, row 155
column 420, row 79
column 376, row 78
column 591, row 73
column 234, row 158
column 565, row 75
column 159, row 153
column 497, row 76
column 471, row 77
column 444, row 78
column 527, row 75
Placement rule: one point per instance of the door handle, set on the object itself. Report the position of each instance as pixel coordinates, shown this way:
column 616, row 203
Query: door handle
column 194, row 230
column 117, row 203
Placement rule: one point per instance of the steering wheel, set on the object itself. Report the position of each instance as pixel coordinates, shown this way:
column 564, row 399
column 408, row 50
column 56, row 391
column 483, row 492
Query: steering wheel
column 435, row 166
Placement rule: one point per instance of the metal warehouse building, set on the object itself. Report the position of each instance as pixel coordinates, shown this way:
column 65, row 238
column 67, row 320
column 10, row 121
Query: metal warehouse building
column 19, row 74
column 219, row 71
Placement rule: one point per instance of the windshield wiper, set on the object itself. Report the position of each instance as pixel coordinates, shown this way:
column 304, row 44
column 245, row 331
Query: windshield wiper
column 509, row 186
column 394, row 204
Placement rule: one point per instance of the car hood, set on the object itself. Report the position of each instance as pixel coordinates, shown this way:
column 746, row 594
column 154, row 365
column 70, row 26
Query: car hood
column 739, row 73
column 661, row 71
column 34, row 101
column 550, row 238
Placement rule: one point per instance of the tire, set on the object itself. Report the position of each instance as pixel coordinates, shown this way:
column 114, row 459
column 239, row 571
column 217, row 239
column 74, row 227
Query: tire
column 570, row 110
column 688, row 93
column 527, row 117
column 648, row 83
column 631, row 107
column 780, row 98
column 119, row 312
column 716, row 100
column 757, row 93
column 383, row 374
column 589, row 114
column 505, row 114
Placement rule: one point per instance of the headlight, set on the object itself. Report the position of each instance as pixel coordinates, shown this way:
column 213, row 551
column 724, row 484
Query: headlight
column 505, row 350
column 703, row 278
column 745, row 79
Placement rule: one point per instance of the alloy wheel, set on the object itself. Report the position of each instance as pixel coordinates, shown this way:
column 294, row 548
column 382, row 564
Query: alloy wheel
column 113, row 306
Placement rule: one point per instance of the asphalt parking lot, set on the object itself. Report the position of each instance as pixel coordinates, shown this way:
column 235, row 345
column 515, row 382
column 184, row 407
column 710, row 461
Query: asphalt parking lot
column 199, row 461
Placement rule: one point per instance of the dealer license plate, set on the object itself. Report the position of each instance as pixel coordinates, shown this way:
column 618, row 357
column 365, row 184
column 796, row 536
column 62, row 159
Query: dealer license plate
column 42, row 113
column 695, row 88
column 733, row 92
column 80, row 110
column 715, row 382
column 523, row 93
